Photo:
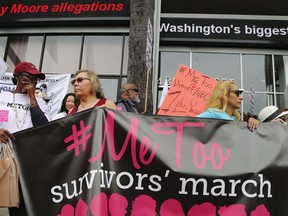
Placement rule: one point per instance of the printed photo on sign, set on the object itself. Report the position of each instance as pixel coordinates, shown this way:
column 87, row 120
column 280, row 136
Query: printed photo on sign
column 53, row 89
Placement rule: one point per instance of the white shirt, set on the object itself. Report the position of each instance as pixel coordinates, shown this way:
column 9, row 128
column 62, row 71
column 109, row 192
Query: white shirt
column 18, row 117
column 60, row 115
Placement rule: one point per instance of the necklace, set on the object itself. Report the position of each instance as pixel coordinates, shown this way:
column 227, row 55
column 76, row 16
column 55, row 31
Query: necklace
column 19, row 122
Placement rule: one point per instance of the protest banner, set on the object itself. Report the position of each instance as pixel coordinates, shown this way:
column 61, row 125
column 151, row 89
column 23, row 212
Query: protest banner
column 54, row 85
column 188, row 93
column 104, row 162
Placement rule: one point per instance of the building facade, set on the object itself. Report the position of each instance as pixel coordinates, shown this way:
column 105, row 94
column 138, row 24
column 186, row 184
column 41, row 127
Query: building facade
column 245, row 41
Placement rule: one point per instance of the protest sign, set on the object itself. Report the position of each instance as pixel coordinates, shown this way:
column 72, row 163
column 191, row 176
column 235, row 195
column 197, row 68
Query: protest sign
column 188, row 93
column 103, row 162
column 54, row 86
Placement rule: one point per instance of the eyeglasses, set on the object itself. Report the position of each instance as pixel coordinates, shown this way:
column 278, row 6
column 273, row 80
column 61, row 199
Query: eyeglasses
column 136, row 90
column 238, row 92
column 79, row 80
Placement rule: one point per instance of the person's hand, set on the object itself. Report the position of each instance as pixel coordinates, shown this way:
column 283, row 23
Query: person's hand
column 5, row 135
column 252, row 124
column 279, row 120
column 28, row 87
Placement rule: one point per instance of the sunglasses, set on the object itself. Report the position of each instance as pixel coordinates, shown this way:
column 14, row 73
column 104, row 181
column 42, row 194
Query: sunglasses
column 238, row 92
column 136, row 90
column 79, row 80
column 31, row 77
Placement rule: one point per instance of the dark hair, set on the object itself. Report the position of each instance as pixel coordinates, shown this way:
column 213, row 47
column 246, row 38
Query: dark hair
column 63, row 106
column 43, row 85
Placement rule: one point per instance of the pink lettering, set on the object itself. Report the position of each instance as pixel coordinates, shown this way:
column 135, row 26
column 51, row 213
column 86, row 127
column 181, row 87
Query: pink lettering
column 131, row 135
column 214, row 147
column 179, row 131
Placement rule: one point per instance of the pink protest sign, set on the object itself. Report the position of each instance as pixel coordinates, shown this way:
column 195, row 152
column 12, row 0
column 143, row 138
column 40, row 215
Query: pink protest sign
column 188, row 93
column 4, row 115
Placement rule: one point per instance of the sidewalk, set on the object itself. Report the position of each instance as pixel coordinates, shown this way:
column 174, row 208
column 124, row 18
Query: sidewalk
column 4, row 212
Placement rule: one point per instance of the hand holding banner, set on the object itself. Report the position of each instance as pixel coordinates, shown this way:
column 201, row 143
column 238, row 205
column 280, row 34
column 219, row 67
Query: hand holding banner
column 188, row 93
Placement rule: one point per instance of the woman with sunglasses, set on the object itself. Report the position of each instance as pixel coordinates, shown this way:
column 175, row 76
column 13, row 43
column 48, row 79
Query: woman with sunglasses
column 225, row 102
column 87, row 89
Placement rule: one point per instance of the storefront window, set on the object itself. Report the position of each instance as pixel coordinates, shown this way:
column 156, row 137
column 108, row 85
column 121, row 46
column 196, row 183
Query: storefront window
column 24, row 48
column 103, row 54
column 257, row 72
column 62, row 54
column 125, row 56
column 3, row 41
column 217, row 65
column 281, row 76
column 169, row 64
column 263, row 77
column 109, row 87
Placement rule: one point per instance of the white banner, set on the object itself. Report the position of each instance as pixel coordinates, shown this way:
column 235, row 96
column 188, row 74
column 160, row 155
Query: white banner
column 54, row 86
column 149, row 45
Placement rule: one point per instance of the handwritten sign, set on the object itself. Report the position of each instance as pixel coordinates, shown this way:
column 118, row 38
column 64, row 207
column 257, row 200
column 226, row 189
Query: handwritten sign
column 188, row 93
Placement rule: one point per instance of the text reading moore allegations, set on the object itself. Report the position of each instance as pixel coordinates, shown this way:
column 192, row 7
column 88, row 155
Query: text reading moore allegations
column 63, row 7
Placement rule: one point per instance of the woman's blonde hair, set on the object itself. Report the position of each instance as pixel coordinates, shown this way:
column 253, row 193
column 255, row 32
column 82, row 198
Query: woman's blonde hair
column 94, row 80
column 220, row 95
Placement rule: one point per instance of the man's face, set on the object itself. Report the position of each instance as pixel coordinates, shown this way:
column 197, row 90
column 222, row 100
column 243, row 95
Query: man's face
column 43, row 89
column 24, row 80
column 133, row 94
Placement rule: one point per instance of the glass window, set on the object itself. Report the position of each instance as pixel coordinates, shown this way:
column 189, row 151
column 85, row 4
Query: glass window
column 3, row 41
column 257, row 72
column 254, row 103
column 109, row 87
column 281, row 76
column 62, row 54
column 103, row 54
column 219, row 66
column 170, row 62
column 126, row 56
column 24, row 48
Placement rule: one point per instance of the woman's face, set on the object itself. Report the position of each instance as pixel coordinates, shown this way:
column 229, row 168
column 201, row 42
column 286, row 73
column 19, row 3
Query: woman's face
column 70, row 102
column 235, row 98
column 82, row 85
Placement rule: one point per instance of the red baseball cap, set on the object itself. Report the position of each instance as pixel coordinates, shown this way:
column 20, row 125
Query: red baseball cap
column 28, row 68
